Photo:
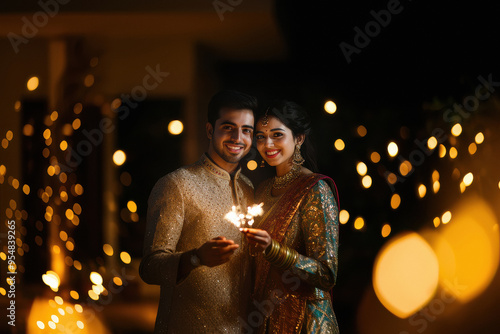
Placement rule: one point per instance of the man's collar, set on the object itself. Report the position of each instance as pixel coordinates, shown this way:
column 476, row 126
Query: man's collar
column 213, row 168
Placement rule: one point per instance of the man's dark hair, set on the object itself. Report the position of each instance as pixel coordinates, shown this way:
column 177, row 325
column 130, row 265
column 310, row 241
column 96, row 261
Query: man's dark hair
column 229, row 99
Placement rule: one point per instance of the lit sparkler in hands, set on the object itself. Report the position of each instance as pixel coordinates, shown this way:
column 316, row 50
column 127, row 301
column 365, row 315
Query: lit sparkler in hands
column 242, row 219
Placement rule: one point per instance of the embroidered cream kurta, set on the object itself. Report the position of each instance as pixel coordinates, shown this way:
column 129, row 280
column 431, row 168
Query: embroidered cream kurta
column 186, row 208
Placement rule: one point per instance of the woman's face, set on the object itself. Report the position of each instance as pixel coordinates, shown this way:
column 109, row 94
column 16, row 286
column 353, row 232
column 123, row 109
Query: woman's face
column 275, row 143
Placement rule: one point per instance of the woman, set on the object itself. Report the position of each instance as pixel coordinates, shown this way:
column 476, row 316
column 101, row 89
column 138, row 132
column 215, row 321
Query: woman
column 296, row 241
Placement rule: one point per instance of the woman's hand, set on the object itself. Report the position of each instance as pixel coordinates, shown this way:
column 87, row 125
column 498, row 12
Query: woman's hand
column 259, row 239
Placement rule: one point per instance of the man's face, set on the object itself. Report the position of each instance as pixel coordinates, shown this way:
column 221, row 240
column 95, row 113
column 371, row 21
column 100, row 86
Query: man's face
column 231, row 138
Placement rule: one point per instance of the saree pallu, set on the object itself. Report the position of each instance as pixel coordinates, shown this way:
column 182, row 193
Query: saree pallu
column 305, row 218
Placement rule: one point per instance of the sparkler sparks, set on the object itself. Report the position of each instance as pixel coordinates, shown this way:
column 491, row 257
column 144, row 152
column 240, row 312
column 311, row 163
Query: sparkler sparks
column 242, row 219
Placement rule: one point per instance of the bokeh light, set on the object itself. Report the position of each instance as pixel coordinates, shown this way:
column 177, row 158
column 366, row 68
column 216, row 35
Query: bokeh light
column 96, row 278
column 405, row 274
column 366, row 181
column 392, row 149
column 42, row 318
column 395, row 201
column 32, row 83
column 89, row 80
column 51, row 279
column 392, row 178
column 442, row 151
column 339, row 144
column 468, row 178
column 131, row 206
column 436, row 186
column 361, row 168
column 375, row 157
column 456, row 130
column 125, row 257
column 108, row 250
column 468, row 249
column 119, row 157
column 175, row 127
column 330, row 107
column 361, row 130
column 343, row 216
column 422, row 190
column 479, row 138
column 252, row 165
column 359, row 223
column 386, row 230
column 453, row 152
column 472, row 148
column 77, row 108
column 432, row 143
column 446, row 217
column 405, row 168
column 76, row 124
column 435, row 176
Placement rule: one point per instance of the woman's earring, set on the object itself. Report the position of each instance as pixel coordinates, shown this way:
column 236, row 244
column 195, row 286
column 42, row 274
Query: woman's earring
column 263, row 163
column 297, row 157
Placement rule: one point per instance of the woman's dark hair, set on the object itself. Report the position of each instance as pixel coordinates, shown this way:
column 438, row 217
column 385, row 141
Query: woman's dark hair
column 296, row 119
column 229, row 99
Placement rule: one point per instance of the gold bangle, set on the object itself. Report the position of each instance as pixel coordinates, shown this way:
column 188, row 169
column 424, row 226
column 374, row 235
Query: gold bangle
column 284, row 265
column 283, row 256
column 287, row 256
column 273, row 252
column 293, row 258
column 280, row 256
column 290, row 259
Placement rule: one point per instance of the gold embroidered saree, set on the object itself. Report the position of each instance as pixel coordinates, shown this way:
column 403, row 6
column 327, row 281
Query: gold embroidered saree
column 305, row 218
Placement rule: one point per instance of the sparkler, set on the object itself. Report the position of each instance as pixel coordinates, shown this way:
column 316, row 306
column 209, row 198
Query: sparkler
column 242, row 219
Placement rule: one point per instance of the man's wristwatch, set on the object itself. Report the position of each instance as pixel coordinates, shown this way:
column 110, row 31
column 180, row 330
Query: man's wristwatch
column 195, row 260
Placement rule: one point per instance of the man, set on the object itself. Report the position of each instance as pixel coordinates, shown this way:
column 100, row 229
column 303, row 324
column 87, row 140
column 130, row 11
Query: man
column 190, row 250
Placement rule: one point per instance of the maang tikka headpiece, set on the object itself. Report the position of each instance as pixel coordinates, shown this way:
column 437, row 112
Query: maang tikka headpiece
column 265, row 119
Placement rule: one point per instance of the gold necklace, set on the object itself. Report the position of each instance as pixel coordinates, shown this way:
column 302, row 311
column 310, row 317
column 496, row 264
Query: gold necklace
column 284, row 181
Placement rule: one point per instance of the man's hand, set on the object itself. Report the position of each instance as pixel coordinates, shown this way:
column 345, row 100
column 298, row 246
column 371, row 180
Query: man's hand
column 216, row 251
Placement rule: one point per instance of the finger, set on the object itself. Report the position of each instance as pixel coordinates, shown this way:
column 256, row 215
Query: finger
column 219, row 238
column 254, row 230
column 227, row 250
column 221, row 243
column 230, row 248
column 257, row 232
column 256, row 238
